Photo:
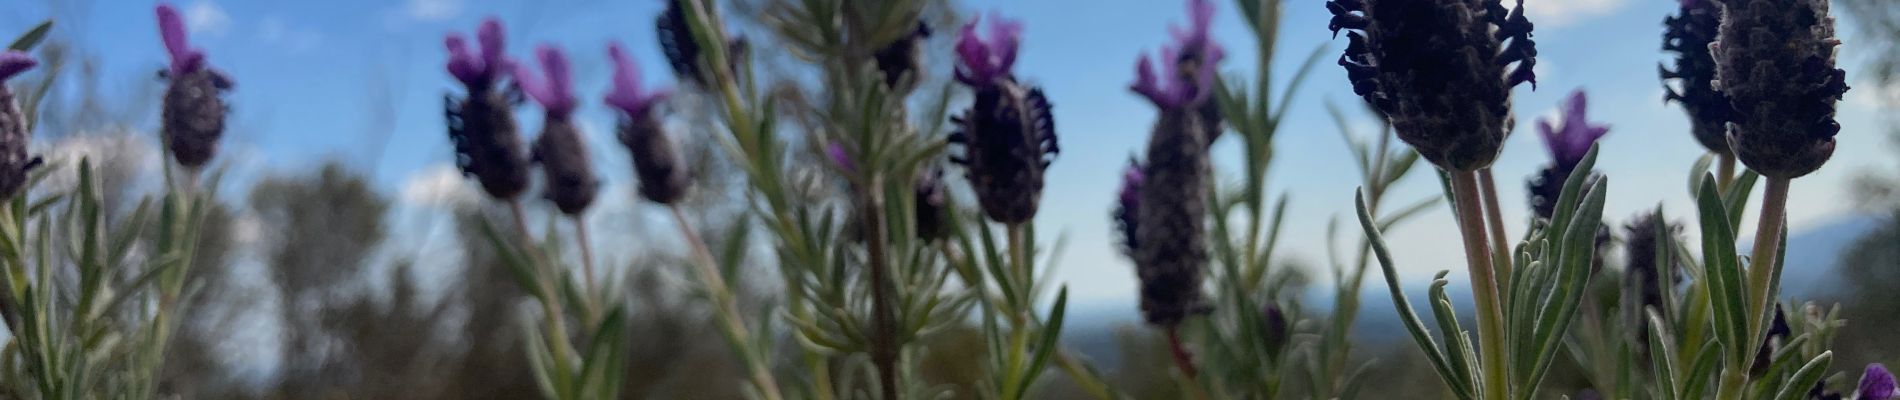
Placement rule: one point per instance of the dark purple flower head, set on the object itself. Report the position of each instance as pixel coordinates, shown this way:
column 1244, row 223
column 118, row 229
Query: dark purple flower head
column 171, row 27
column 1688, row 34
column 13, row 63
column 1189, row 64
column 982, row 61
column 1441, row 71
column 473, row 69
column 1775, row 59
column 1569, row 141
column 556, row 93
column 627, row 94
column 1877, row 383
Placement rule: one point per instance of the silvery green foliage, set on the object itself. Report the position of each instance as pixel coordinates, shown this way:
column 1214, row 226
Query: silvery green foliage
column 88, row 319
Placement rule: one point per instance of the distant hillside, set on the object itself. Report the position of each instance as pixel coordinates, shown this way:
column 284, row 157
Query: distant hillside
column 1811, row 261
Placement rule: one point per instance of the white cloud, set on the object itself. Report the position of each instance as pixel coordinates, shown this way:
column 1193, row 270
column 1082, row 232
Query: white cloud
column 206, row 17
column 438, row 186
column 1565, row 12
column 1870, row 97
column 432, row 10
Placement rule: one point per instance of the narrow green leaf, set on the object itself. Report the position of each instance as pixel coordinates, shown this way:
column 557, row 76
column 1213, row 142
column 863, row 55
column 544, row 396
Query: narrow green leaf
column 32, row 37
column 1051, row 333
column 1413, row 324
column 1797, row 386
column 1662, row 357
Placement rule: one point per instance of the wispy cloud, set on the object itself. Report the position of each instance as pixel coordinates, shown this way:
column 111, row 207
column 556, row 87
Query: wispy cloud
column 1565, row 12
column 439, row 186
column 277, row 32
column 432, row 10
column 206, row 17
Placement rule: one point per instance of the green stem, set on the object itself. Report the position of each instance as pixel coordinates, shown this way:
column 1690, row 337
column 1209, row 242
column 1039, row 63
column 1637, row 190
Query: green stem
column 884, row 344
column 1494, row 214
column 1761, row 276
column 1478, row 257
column 1725, row 170
column 726, row 308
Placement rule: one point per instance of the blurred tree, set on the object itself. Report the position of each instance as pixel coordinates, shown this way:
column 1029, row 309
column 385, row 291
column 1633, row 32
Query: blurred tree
column 320, row 230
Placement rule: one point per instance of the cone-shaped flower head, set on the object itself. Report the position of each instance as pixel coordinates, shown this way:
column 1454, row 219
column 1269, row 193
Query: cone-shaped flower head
column 14, row 136
column 568, row 172
column 1568, row 142
column 193, row 110
column 663, row 177
column 1688, row 34
column 1127, row 206
column 1775, row 60
column 1647, row 274
column 1171, row 219
column 1008, row 135
column 903, row 56
column 1441, row 71
column 1877, row 383
column 482, row 125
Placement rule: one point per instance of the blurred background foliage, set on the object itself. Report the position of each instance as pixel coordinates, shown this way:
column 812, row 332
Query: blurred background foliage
column 307, row 255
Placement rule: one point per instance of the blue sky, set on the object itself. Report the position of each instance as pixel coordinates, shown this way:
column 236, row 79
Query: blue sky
column 308, row 74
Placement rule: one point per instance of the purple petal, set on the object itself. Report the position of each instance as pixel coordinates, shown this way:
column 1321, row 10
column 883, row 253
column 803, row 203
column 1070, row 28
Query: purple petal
column 464, row 66
column 972, row 56
column 1877, row 383
column 840, row 157
column 1006, row 35
column 13, row 63
column 493, row 42
column 171, row 28
column 625, row 94
column 1145, row 82
column 560, row 79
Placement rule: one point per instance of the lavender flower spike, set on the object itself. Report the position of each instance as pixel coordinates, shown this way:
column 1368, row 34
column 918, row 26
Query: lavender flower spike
column 981, row 61
column 193, row 113
column 1775, row 61
column 663, row 177
column 1877, row 383
column 14, row 160
column 627, row 94
column 478, row 70
column 1007, row 136
column 556, row 92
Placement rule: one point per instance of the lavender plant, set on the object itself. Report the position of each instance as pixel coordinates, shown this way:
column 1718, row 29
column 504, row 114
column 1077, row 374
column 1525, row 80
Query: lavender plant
column 85, row 318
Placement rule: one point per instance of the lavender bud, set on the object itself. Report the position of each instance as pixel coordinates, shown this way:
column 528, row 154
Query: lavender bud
column 683, row 52
column 14, row 160
column 1441, row 71
column 193, row 111
column 1778, row 332
column 663, row 177
column 1008, row 134
column 1688, row 34
column 1647, row 275
column 1568, row 143
column 569, row 174
column 1877, row 384
column 1775, row 60
column 928, row 201
column 1274, row 328
column 1171, row 219
column 903, row 56
column 482, row 125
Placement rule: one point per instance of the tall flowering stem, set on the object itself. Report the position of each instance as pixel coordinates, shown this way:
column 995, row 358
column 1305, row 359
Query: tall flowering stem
column 1775, row 61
